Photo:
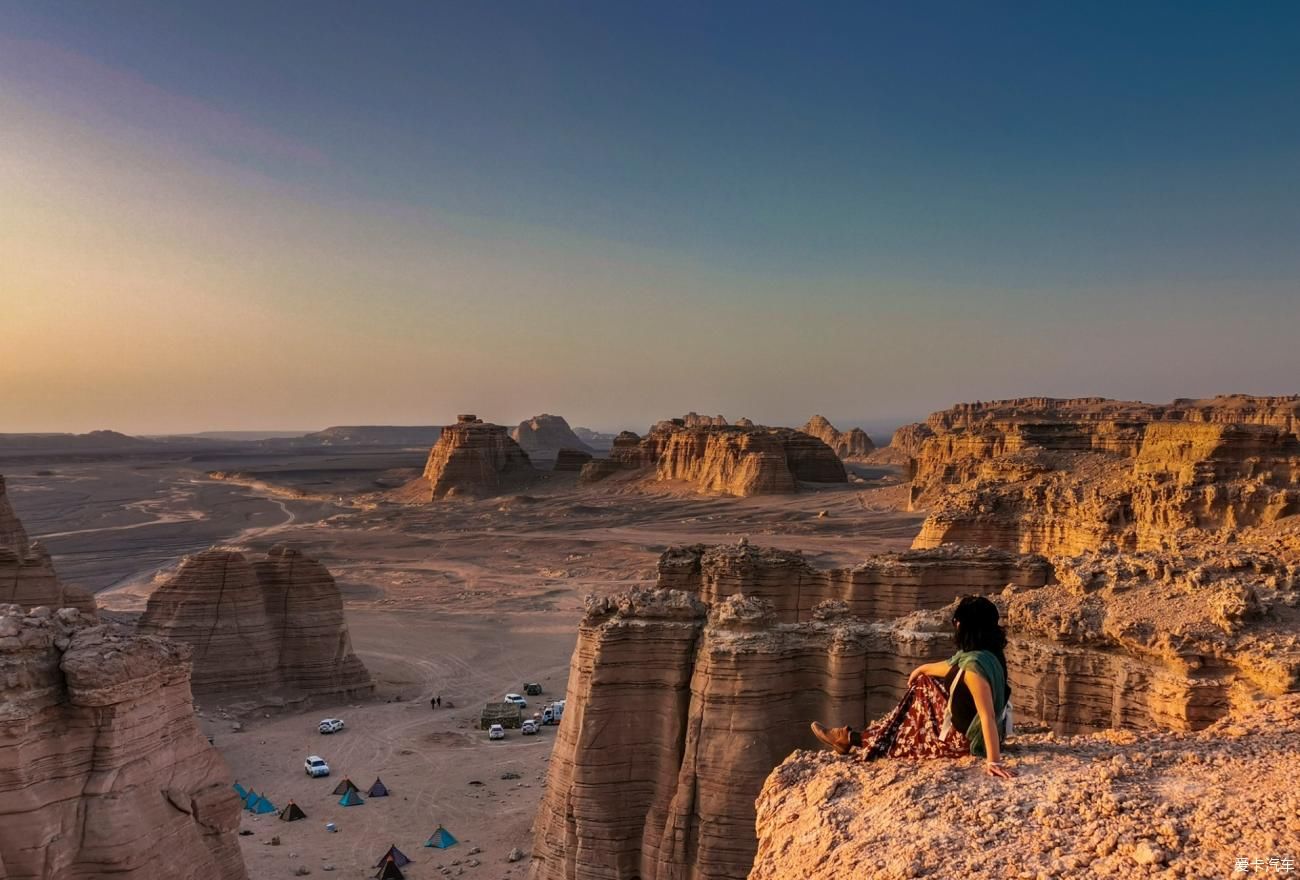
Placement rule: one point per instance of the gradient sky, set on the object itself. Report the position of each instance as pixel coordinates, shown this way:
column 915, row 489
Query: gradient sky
column 294, row 214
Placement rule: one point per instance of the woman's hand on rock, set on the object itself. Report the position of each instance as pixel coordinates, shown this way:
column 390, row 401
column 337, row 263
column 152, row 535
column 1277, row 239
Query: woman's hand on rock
column 1000, row 770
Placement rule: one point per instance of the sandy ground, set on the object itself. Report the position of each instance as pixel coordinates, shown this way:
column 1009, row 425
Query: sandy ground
column 466, row 599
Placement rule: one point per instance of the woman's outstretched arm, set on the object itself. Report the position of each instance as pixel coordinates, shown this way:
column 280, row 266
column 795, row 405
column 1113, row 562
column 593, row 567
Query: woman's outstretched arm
column 983, row 694
column 937, row 669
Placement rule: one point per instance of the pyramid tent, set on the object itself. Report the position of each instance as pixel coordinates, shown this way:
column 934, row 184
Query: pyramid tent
column 250, row 799
column 441, row 838
column 379, row 790
column 351, row 798
column 241, row 791
column 292, row 813
column 345, row 786
column 396, row 855
column 390, row 871
column 262, row 805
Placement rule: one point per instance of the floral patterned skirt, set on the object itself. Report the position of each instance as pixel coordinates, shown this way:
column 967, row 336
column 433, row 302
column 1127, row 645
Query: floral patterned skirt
column 912, row 729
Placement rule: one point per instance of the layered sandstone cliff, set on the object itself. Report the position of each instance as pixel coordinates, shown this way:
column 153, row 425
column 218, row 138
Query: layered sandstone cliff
column 546, row 435
column 724, row 459
column 27, row 574
column 1071, row 476
column 103, row 771
column 1115, row 804
column 471, row 458
column 853, row 443
column 273, row 626
column 682, row 699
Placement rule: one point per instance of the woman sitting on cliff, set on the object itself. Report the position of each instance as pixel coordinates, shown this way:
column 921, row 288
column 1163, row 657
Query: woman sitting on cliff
column 928, row 723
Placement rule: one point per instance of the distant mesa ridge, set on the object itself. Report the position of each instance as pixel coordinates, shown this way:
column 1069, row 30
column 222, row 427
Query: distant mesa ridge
column 545, row 435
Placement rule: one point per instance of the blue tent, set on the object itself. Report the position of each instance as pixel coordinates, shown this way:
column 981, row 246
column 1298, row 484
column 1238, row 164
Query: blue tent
column 351, row 799
column 441, row 838
column 262, row 805
column 241, row 791
column 250, row 799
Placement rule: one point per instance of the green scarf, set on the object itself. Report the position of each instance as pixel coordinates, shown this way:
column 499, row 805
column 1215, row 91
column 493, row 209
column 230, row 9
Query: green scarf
column 986, row 664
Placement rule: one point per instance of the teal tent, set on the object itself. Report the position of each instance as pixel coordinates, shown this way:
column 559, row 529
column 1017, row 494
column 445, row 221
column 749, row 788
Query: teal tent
column 241, row 791
column 351, row 799
column 250, row 798
column 262, row 805
column 441, row 838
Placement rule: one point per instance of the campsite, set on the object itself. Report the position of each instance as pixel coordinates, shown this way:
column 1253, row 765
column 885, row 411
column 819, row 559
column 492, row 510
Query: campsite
column 415, row 773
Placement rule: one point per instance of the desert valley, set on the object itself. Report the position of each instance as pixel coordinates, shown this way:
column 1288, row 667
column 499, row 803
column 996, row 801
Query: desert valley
column 649, row 441
column 696, row 595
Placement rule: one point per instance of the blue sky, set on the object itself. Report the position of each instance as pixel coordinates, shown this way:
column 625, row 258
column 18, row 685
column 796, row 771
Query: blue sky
column 623, row 211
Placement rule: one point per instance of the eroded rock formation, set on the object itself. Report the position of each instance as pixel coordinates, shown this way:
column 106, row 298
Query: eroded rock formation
column 27, row 576
column 853, row 443
column 471, row 458
column 571, row 460
column 1067, row 476
column 546, row 435
column 1115, row 804
column 103, row 771
column 274, row 626
column 724, row 459
column 683, row 698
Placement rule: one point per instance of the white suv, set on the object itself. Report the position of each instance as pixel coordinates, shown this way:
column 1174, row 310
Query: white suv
column 496, row 731
column 517, row 700
column 315, row 766
column 331, row 725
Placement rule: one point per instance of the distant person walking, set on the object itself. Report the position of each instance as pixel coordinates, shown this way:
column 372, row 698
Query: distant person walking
column 439, row 702
column 952, row 707
column 433, row 702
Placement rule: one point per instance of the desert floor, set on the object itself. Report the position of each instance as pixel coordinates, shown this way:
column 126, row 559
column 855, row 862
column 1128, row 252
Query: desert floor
column 463, row 599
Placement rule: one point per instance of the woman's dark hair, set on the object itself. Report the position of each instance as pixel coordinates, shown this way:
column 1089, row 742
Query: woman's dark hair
column 977, row 628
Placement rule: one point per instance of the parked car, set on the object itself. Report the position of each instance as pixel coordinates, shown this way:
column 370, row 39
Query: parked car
column 532, row 688
column 315, row 766
column 517, row 699
column 331, row 725
column 496, row 731
column 552, row 713
column 529, row 727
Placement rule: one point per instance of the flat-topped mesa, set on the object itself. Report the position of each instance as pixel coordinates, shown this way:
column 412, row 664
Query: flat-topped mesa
column 546, row 435
column 1115, row 804
column 853, row 443
column 102, row 764
column 726, row 459
column 1079, row 475
column 270, row 627
column 471, row 458
column 27, row 574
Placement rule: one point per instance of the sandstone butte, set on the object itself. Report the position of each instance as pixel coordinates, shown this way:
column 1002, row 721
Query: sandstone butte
column 471, row 458
column 103, row 770
column 546, row 436
column 1064, row 476
column 853, row 443
column 721, row 459
column 27, row 575
column 273, row 626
